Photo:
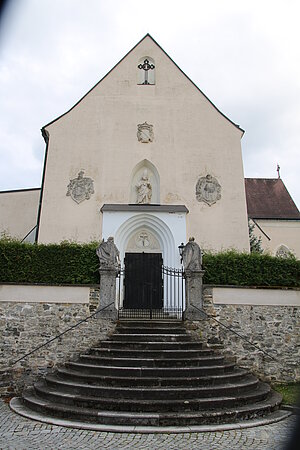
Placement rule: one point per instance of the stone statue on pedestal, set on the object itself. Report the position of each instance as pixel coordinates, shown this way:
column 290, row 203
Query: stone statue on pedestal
column 192, row 263
column 109, row 259
column 108, row 254
column 192, row 256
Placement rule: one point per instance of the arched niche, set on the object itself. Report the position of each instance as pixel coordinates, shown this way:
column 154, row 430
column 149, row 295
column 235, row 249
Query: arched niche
column 142, row 168
column 283, row 252
column 146, row 70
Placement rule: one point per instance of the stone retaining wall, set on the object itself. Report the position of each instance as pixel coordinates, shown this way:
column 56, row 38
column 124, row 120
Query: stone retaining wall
column 24, row 326
column 273, row 328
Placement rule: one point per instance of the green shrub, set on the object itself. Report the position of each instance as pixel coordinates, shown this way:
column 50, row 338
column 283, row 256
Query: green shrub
column 70, row 263
column 254, row 269
column 66, row 263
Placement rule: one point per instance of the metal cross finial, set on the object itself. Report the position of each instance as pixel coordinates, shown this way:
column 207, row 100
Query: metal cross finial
column 278, row 170
column 146, row 66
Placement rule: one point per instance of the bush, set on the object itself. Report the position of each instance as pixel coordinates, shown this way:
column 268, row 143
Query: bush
column 64, row 263
column 69, row 263
column 254, row 269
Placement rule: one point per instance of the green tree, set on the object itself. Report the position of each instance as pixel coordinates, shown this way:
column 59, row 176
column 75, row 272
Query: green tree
column 255, row 242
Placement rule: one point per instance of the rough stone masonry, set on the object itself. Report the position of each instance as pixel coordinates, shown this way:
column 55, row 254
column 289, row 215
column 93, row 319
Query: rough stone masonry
column 24, row 326
column 274, row 329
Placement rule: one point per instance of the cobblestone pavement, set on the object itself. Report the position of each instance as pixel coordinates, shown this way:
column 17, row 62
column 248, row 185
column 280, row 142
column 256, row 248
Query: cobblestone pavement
column 17, row 432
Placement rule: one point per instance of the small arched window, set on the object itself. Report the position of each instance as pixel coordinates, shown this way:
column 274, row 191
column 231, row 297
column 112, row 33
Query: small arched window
column 146, row 70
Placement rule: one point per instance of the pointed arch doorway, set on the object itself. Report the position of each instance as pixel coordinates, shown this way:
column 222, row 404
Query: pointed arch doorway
column 147, row 237
column 143, row 281
column 143, row 263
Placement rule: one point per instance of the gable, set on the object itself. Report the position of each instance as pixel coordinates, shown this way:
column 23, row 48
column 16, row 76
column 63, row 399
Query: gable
column 184, row 139
column 125, row 75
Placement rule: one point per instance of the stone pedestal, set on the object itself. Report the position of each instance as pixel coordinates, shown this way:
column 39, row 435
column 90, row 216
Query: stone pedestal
column 107, row 293
column 193, row 287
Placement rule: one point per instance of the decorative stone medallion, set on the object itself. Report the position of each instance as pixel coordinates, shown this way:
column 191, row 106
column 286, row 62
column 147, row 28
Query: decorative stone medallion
column 80, row 188
column 283, row 252
column 143, row 241
column 145, row 133
column 208, row 190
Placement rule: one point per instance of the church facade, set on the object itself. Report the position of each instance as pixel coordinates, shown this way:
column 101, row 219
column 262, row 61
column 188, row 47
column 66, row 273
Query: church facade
column 147, row 158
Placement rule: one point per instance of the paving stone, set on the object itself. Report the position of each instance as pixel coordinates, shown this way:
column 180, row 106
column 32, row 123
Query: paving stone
column 19, row 433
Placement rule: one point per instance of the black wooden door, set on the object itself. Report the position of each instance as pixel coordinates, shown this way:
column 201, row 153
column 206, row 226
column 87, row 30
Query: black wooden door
column 143, row 281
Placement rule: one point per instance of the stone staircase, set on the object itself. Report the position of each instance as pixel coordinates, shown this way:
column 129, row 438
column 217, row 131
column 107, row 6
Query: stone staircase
column 152, row 374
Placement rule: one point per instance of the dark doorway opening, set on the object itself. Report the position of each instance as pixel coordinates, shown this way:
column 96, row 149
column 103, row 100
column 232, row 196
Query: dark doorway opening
column 143, row 281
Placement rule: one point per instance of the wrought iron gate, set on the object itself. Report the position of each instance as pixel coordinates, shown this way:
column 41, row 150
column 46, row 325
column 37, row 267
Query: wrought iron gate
column 171, row 288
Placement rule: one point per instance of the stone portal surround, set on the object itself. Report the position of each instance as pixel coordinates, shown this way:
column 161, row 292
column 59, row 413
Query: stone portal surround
column 25, row 325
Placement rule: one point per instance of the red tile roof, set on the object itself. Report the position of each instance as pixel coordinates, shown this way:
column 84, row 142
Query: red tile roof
column 268, row 198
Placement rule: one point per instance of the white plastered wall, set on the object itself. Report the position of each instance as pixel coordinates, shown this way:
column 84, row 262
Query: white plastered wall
column 18, row 212
column 280, row 232
column 254, row 297
column 191, row 139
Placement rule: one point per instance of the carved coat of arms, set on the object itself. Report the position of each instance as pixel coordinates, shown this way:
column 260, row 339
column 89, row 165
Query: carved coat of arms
column 80, row 188
column 145, row 133
column 208, row 190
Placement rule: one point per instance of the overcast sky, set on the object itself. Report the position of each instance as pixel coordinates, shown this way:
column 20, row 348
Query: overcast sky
column 244, row 55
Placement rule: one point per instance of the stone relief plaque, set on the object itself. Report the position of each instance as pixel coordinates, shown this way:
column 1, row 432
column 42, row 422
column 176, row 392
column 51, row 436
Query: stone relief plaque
column 145, row 133
column 80, row 188
column 143, row 241
column 208, row 190
column 283, row 252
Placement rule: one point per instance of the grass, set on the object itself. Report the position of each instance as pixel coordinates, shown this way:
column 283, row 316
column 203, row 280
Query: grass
column 290, row 392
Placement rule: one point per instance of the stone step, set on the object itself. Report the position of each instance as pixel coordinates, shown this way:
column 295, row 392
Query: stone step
column 152, row 337
column 150, row 323
column 157, row 374
column 173, row 405
column 150, row 371
column 149, row 345
column 159, row 354
column 221, row 415
column 152, row 362
column 207, row 380
column 151, row 392
column 151, row 330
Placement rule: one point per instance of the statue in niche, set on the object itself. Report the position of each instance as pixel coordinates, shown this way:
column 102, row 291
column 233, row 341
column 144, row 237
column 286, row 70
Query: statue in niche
column 108, row 254
column 192, row 256
column 208, row 190
column 144, row 189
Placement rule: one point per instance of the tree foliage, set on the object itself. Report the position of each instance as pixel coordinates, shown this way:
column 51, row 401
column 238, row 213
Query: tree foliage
column 255, row 242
